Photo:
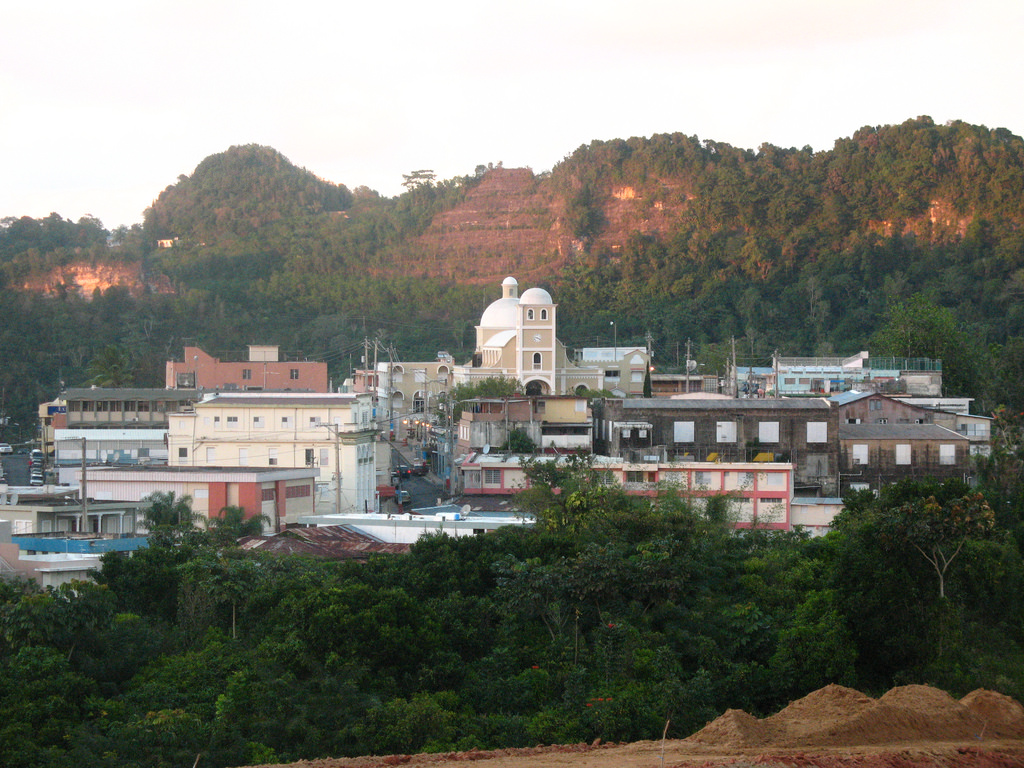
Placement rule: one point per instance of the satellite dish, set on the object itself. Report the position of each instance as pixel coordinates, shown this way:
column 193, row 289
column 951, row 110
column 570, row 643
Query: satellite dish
column 691, row 366
column 487, row 449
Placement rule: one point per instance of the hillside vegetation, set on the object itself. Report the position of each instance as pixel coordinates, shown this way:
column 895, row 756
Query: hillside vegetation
column 783, row 249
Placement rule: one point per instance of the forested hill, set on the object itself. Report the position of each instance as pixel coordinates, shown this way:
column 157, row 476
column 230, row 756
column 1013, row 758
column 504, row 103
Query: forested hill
column 784, row 249
column 234, row 193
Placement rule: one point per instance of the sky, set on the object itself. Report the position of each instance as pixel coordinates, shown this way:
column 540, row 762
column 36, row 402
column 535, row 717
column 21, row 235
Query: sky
column 105, row 104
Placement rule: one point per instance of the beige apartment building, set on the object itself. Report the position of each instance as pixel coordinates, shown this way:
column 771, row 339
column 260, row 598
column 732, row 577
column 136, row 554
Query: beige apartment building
column 334, row 433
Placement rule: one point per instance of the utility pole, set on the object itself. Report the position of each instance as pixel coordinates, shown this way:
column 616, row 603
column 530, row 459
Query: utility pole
column 335, row 429
column 85, row 494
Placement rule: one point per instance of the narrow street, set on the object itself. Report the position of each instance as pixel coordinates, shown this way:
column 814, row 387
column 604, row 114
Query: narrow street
column 424, row 491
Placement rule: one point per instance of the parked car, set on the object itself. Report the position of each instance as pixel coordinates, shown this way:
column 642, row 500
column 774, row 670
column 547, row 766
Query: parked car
column 420, row 468
column 404, row 471
column 6, row 448
column 36, row 478
column 403, row 497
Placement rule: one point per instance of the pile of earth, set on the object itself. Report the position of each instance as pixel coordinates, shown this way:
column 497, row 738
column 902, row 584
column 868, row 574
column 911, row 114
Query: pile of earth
column 913, row 726
column 835, row 716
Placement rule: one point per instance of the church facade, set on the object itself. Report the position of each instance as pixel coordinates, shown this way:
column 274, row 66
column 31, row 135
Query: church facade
column 517, row 338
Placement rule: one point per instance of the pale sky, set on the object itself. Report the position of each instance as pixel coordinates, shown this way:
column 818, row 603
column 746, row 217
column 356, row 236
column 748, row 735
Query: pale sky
column 104, row 104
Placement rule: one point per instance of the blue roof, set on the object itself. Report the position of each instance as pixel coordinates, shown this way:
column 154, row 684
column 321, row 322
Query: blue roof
column 843, row 398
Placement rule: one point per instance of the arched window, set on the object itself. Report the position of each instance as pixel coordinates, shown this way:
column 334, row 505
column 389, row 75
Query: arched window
column 536, row 361
column 543, row 314
column 529, row 314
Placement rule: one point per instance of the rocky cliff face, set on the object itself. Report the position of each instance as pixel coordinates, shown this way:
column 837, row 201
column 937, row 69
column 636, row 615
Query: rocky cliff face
column 84, row 278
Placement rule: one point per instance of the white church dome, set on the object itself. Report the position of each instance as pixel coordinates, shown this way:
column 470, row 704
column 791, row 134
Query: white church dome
column 535, row 296
column 500, row 314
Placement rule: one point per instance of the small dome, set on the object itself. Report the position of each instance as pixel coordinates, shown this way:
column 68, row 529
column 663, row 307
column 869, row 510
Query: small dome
column 535, row 296
column 510, row 281
column 500, row 314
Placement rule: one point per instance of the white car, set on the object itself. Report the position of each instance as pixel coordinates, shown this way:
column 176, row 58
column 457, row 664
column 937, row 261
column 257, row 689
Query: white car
column 6, row 448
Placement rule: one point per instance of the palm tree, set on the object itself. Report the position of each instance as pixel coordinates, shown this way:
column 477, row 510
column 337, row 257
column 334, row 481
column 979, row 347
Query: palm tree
column 231, row 524
column 112, row 366
column 169, row 513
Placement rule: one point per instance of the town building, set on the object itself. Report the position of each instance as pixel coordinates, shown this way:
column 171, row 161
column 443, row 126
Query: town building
column 263, row 370
column 875, row 455
column 282, row 494
column 791, row 376
column 554, row 424
column 330, row 432
column 802, row 432
column 517, row 338
column 758, row 493
column 124, row 408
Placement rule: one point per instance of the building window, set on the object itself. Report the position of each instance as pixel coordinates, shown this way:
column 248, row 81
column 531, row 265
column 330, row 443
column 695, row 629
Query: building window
column 947, row 454
column 257, row 422
column 768, row 432
column 903, row 454
column 634, row 476
column 183, row 453
column 611, row 374
column 272, row 457
column 875, row 405
column 536, row 361
column 143, row 406
column 309, row 457
column 881, row 421
column 325, row 457
column 636, row 377
column 725, row 431
column 232, row 422
column 702, row 479
column 682, row 432
column 529, row 314
column 817, row 431
column 243, row 457
column 211, row 455
column 860, row 454
column 284, row 421
column 297, row 491
column 247, row 374
column 543, row 314
column 293, row 374
column 492, row 477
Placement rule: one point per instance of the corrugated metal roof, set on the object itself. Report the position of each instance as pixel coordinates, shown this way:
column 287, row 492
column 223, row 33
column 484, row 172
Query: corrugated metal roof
column 129, row 393
column 843, row 398
column 736, row 404
column 253, row 399
column 333, row 542
column 897, row 432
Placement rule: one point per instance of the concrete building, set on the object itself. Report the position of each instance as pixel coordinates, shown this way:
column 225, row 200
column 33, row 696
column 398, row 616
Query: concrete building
column 333, row 433
column 282, row 494
column 124, row 408
column 802, row 432
column 759, row 493
column 263, row 370
column 874, row 455
column 517, row 338
column 555, row 424
column 791, row 376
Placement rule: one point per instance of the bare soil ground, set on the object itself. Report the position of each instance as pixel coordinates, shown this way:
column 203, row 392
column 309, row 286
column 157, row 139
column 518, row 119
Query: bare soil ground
column 834, row 727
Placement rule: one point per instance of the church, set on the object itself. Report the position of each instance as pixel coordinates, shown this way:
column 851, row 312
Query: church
column 517, row 338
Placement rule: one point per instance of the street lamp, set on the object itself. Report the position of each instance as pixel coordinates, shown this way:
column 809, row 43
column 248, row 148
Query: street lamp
column 615, row 346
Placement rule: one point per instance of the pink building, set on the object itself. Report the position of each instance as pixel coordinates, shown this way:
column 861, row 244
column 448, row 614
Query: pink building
column 263, row 370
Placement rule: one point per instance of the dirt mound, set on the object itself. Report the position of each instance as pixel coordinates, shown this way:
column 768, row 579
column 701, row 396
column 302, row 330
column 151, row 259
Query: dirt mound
column 819, row 716
column 1001, row 715
column 835, row 716
column 734, row 728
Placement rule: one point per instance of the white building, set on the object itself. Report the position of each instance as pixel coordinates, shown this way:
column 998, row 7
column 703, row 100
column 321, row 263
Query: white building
column 516, row 338
column 334, row 433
